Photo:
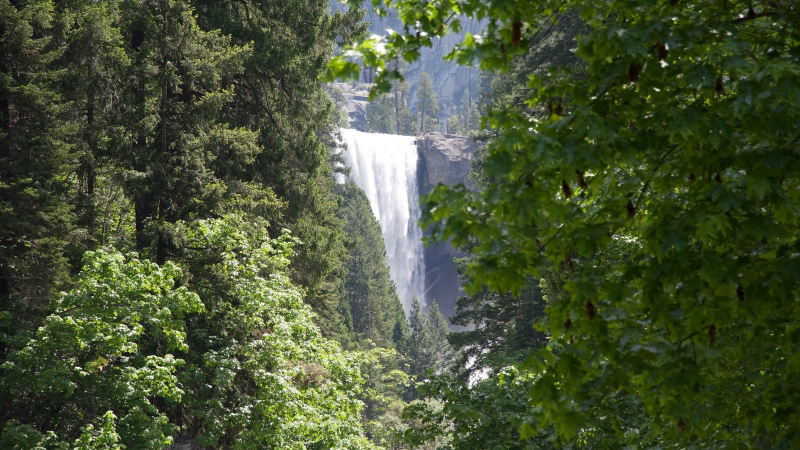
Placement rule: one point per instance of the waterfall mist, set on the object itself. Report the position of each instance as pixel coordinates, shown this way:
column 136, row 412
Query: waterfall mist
column 384, row 166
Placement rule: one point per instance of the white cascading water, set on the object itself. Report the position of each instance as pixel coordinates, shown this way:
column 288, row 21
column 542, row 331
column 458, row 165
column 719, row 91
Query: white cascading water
column 384, row 166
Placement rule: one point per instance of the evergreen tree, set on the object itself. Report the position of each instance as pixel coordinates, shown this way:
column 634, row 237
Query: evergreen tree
column 464, row 116
column 279, row 97
column 183, row 153
column 473, row 118
column 406, row 122
column 381, row 115
column 502, row 327
column 463, row 110
column 96, row 67
column 370, row 295
column 427, row 105
column 420, row 341
column 427, row 347
column 440, row 332
column 36, row 219
column 399, row 94
column 153, row 120
column 454, row 123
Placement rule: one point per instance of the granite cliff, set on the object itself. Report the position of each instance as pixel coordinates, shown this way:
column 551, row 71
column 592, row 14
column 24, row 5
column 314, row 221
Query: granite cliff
column 449, row 79
column 443, row 159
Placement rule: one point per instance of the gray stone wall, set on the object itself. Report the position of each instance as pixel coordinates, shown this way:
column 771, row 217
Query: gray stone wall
column 444, row 159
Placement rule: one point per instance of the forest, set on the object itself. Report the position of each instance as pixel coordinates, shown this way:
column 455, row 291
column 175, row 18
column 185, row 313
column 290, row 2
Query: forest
column 184, row 263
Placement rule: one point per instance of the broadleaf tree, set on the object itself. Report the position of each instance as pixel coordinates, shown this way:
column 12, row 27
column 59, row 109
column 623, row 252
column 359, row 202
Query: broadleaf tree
column 222, row 349
column 665, row 180
column 100, row 366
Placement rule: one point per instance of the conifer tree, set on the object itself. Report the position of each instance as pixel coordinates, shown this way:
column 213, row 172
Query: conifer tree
column 381, row 115
column 428, row 349
column 454, row 122
column 407, row 125
column 442, row 350
column 35, row 160
column 427, row 105
column 96, row 67
column 182, row 78
column 279, row 96
column 370, row 294
column 419, row 340
column 501, row 327
column 399, row 94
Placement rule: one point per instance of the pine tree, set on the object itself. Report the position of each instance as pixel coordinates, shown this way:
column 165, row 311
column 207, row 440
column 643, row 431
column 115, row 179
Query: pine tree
column 399, row 94
column 501, row 327
column 427, row 105
column 406, row 122
column 36, row 219
column 420, row 344
column 278, row 95
column 428, row 349
column 182, row 81
column 381, row 115
column 96, row 67
column 454, row 123
column 370, row 294
column 442, row 350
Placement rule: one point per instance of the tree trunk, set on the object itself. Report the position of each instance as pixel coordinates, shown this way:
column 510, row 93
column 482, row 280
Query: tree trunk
column 396, row 104
column 161, row 249
column 87, row 208
column 469, row 87
column 422, row 117
column 142, row 211
column 90, row 172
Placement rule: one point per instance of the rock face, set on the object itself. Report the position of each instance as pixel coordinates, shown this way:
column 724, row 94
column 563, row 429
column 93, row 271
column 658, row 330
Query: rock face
column 355, row 96
column 444, row 159
column 449, row 79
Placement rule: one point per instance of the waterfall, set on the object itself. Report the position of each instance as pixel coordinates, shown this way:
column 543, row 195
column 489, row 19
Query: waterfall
column 384, row 166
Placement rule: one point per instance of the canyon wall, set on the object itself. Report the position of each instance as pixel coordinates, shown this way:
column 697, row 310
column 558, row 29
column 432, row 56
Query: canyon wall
column 444, row 159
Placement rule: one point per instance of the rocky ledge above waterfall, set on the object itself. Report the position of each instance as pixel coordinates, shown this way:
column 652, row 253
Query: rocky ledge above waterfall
column 444, row 158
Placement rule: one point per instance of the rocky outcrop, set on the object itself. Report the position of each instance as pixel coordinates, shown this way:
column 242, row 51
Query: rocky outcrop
column 355, row 98
column 444, row 159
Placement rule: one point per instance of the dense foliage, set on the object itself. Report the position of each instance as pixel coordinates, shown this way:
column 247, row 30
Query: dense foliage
column 241, row 359
column 152, row 155
column 122, row 118
column 658, row 182
column 370, row 304
column 464, row 117
column 426, row 346
column 631, row 243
